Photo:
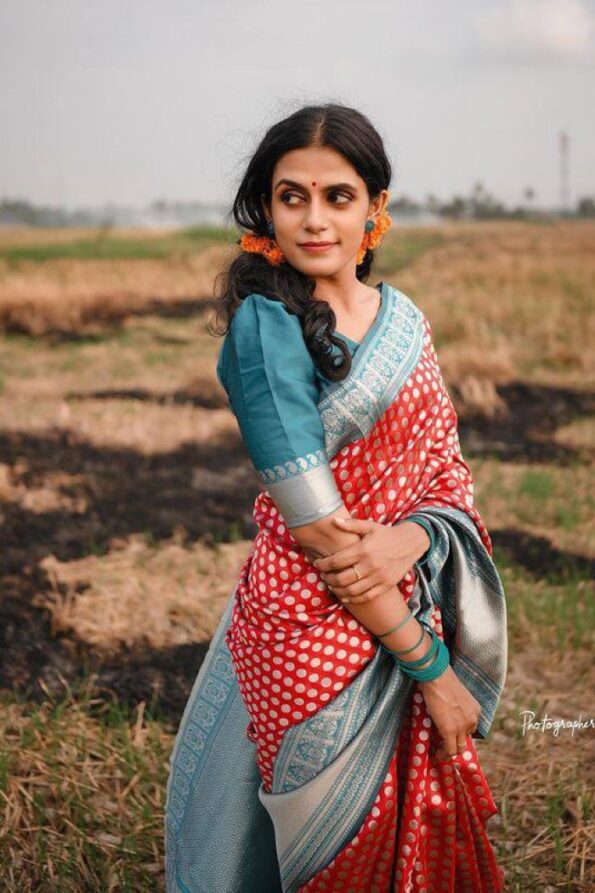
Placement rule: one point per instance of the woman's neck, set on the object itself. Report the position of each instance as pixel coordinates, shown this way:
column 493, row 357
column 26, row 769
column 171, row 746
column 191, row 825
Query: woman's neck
column 355, row 311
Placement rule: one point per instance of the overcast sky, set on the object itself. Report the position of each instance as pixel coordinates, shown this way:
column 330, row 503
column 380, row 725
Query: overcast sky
column 131, row 100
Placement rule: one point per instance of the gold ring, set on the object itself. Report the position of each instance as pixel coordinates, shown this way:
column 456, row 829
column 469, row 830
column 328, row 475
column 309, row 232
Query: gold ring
column 357, row 573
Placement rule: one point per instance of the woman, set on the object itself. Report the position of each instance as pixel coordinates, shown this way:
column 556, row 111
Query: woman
column 327, row 742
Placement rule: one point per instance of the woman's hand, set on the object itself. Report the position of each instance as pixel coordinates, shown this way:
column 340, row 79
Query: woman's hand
column 382, row 557
column 453, row 709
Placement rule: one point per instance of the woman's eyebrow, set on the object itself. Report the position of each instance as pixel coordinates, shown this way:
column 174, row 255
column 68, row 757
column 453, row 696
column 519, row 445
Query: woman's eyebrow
column 332, row 186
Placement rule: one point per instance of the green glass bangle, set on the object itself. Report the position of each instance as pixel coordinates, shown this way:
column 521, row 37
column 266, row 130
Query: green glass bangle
column 413, row 647
column 414, row 664
column 437, row 649
column 414, row 673
column 436, row 668
column 395, row 628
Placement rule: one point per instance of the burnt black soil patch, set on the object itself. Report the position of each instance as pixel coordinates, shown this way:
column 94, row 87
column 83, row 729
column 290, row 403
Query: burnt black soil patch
column 203, row 489
column 524, row 433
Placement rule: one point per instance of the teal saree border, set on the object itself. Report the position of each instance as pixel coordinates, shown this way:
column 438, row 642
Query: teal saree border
column 218, row 836
column 387, row 356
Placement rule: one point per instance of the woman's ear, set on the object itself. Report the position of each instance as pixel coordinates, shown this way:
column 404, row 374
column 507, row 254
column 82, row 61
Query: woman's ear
column 379, row 203
column 267, row 210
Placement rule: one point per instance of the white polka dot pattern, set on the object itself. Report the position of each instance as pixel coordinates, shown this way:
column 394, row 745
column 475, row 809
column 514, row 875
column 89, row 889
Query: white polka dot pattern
column 295, row 647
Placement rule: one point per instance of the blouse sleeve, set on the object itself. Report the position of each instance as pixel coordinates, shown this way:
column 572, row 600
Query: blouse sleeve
column 429, row 528
column 270, row 380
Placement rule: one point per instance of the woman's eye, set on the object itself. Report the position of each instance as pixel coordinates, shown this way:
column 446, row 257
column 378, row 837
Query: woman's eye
column 332, row 195
column 341, row 195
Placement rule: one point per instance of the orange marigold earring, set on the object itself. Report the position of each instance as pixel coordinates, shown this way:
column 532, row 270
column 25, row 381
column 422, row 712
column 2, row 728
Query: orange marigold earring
column 374, row 231
column 264, row 245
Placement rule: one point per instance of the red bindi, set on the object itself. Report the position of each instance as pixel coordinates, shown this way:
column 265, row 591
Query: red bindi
column 314, row 183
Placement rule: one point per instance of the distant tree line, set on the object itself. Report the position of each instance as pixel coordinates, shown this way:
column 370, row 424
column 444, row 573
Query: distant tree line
column 479, row 205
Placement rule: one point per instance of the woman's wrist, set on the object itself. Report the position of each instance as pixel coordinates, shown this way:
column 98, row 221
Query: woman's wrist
column 429, row 683
column 401, row 631
column 420, row 652
column 418, row 648
column 423, row 537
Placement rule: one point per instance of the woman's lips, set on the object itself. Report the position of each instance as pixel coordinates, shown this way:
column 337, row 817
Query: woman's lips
column 321, row 247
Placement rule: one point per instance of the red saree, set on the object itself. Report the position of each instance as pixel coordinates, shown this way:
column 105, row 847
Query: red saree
column 295, row 648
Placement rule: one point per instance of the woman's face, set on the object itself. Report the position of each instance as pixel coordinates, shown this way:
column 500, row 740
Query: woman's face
column 318, row 196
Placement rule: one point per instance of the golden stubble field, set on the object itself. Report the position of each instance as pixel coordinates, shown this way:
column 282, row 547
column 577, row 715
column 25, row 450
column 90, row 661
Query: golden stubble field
column 126, row 500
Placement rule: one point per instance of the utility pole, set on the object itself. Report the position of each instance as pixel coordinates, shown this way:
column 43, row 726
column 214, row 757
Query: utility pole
column 564, row 143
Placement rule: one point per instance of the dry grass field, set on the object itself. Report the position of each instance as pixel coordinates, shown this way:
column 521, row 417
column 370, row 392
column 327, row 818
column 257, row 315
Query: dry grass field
column 126, row 511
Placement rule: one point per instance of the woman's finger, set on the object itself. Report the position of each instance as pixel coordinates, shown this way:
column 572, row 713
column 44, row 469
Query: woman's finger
column 340, row 559
column 450, row 745
column 371, row 585
column 349, row 576
column 354, row 590
column 442, row 753
column 368, row 596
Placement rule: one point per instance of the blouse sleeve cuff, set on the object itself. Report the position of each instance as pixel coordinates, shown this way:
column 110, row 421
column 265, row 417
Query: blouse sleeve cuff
column 306, row 497
column 427, row 525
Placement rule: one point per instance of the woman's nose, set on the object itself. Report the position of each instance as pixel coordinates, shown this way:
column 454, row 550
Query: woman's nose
column 314, row 216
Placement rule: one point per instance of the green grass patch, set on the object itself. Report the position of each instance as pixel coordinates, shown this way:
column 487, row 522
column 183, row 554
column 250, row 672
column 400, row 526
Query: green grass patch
column 106, row 247
column 86, row 795
column 120, row 355
column 554, row 614
column 537, row 485
column 402, row 249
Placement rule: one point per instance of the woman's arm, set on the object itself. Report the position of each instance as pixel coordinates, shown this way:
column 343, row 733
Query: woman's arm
column 451, row 705
column 323, row 537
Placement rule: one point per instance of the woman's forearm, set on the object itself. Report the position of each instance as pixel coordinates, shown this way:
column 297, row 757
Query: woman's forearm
column 384, row 613
column 322, row 538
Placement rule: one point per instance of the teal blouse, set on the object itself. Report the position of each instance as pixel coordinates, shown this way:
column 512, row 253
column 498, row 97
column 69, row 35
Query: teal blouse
column 273, row 388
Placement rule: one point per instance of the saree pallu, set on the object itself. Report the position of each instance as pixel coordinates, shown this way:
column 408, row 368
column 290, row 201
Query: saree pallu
column 305, row 760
